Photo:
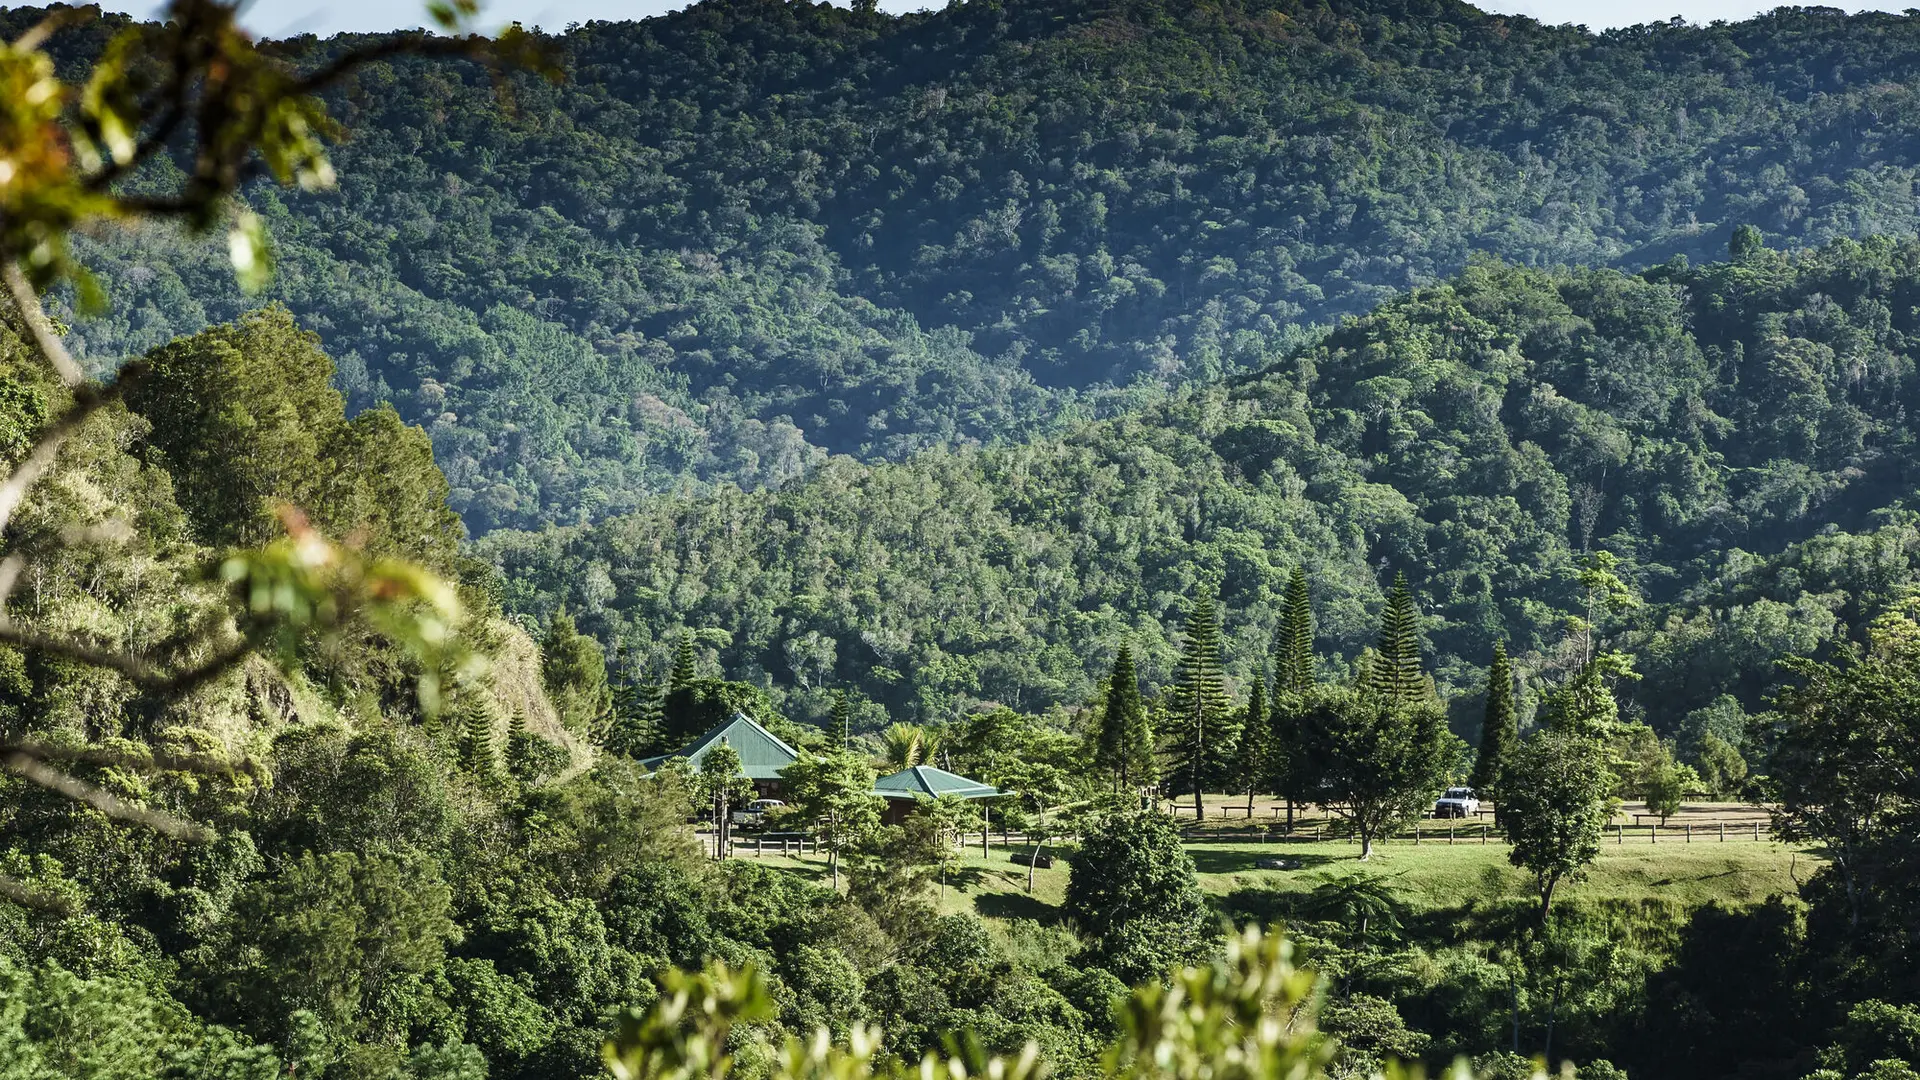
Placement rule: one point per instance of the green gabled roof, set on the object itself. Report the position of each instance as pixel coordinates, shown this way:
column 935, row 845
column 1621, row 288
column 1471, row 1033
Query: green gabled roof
column 927, row 782
column 762, row 754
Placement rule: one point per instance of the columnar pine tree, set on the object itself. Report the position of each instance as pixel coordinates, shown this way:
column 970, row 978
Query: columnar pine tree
column 840, row 723
column 477, row 752
column 1200, row 712
column 1256, row 743
column 1123, row 745
column 1293, row 641
column 635, row 730
column 520, row 763
column 681, row 716
column 1500, row 731
column 684, row 668
column 1293, row 685
column 1395, row 672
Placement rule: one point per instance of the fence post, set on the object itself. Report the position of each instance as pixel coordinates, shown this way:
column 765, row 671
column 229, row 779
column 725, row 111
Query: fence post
column 1449, row 833
column 1416, row 832
column 1723, row 832
column 1620, row 834
column 1756, row 830
column 1483, row 832
column 1689, row 832
column 1653, row 834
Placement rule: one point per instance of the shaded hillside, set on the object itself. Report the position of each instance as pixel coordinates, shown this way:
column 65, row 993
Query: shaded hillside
column 750, row 232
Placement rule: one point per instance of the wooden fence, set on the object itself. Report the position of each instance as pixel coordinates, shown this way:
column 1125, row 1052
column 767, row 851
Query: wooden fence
column 1474, row 832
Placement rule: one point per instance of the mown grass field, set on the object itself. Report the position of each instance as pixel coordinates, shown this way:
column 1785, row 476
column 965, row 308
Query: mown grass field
column 1428, row 875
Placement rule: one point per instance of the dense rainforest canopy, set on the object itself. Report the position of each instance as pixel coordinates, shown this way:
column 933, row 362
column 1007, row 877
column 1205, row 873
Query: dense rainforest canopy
column 1738, row 433
column 750, row 233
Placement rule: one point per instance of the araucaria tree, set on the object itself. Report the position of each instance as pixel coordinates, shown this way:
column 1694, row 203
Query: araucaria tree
column 840, row 724
column 1253, row 765
column 1293, row 684
column 1395, row 673
column 1123, row 745
column 1293, row 641
column 1500, row 730
column 1203, row 729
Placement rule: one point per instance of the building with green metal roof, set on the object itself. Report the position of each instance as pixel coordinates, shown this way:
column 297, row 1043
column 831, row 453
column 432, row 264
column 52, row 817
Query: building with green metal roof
column 762, row 753
column 904, row 790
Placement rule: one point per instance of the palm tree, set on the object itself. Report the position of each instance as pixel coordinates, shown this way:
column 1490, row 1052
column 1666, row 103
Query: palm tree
column 904, row 745
column 1355, row 900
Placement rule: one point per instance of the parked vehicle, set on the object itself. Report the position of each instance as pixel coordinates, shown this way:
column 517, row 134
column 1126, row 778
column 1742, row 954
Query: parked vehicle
column 1457, row 802
column 754, row 814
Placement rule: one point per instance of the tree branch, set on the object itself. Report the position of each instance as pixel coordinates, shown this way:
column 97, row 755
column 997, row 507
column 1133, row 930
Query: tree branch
column 100, row 799
column 27, row 896
column 87, row 400
column 20, row 291
column 142, row 674
column 147, row 760
column 400, row 45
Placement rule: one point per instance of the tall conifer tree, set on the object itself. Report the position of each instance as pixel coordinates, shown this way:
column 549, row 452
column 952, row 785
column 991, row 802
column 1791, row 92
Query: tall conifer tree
column 1293, row 683
column 685, row 670
column 1256, row 743
column 1124, row 744
column 478, row 755
column 1293, row 641
column 1500, row 731
column 1395, row 672
column 1200, row 712
column 840, row 724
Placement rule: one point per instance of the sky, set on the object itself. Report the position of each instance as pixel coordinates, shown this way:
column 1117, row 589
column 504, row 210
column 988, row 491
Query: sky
column 281, row 18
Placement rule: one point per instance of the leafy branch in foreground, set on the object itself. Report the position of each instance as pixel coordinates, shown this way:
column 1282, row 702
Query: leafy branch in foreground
column 198, row 89
column 1249, row 1015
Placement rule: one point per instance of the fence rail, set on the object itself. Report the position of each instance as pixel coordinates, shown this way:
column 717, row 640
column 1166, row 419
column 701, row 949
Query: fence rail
column 1452, row 831
column 1477, row 832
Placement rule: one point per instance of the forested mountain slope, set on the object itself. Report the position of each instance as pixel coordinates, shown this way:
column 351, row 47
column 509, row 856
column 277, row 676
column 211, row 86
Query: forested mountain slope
column 751, row 232
column 1738, row 433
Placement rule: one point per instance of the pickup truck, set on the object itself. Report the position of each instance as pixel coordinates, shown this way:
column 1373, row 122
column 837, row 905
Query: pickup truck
column 1458, row 802
column 754, row 814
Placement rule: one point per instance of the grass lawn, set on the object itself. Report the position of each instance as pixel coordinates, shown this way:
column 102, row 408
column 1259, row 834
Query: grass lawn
column 1429, row 875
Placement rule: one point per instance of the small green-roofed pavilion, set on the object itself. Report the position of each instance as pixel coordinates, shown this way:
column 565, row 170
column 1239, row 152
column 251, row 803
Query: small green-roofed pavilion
column 927, row 782
column 762, row 753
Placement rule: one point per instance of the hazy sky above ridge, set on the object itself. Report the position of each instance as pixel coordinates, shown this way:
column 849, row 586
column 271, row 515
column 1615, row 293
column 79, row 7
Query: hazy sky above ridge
column 281, row 18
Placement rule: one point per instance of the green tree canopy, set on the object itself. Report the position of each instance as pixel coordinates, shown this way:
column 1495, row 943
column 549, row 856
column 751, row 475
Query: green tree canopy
column 1132, row 892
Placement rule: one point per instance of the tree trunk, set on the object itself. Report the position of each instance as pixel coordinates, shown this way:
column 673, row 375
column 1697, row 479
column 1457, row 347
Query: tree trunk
column 1289, row 815
column 1513, row 998
column 1546, row 901
column 1366, row 843
column 1553, row 1006
column 1249, row 802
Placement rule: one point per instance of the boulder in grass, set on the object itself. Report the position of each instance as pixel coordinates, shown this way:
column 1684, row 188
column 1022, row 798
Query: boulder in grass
column 1278, row 864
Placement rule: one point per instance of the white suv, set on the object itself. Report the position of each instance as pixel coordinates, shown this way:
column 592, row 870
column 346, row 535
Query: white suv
column 1457, row 802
